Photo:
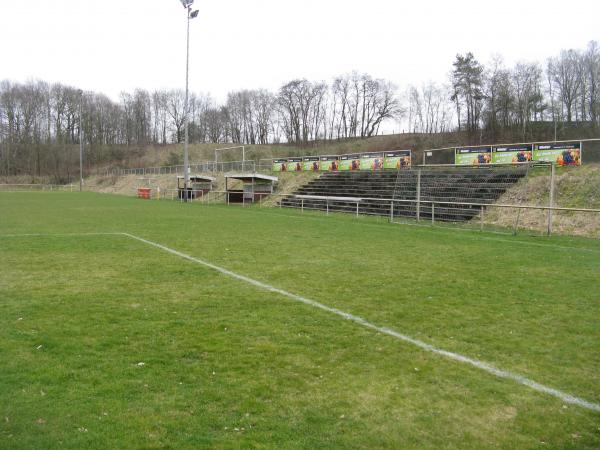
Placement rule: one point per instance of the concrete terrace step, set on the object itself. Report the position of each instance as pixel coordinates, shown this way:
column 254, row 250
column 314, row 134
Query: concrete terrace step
column 460, row 185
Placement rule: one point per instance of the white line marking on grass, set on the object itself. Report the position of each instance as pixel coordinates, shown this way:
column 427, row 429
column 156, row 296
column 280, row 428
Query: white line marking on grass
column 538, row 244
column 57, row 235
column 565, row 397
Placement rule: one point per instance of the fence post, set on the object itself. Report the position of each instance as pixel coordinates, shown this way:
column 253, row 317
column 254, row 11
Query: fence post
column 432, row 213
column 327, row 205
column 481, row 214
column 392, row 211
column 357, row 209
column 419, row 195
column 552, row 183
column 302, row 205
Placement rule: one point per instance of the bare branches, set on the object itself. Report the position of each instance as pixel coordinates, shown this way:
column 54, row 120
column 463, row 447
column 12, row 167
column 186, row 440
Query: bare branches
column 38, row 122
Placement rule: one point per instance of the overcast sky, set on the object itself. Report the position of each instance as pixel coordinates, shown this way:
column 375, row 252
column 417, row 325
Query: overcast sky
column 117, row 45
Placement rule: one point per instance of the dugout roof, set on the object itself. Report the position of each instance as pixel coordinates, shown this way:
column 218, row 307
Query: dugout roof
column 251, row 177
column 198, row 178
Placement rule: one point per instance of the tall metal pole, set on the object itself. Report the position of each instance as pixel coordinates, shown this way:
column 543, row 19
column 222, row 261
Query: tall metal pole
column 186, row 174
column 80, row 141
column 552, row 184
column 418, row 195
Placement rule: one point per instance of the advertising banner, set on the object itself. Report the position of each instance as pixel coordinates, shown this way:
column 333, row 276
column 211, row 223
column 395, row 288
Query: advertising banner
column 310, row 164
column 473, row 156
column 279, row 165
column 349, row 162
column 294, row 165
column 508, row 154
column 329, row 163
column 397, row 159
column 371, row 161
column 568, row 154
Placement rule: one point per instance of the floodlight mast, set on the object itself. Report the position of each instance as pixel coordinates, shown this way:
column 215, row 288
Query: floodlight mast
column 187, row 4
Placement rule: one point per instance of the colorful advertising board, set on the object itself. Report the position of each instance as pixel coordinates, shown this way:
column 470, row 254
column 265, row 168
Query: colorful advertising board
column 568, row 154
column 473, row 156
column 294, row 165
column 507, row 154
column 279, row 165
column 349, row 162
column 310, row 164
column 371, row 161
column 329, row 163
column 397, row 159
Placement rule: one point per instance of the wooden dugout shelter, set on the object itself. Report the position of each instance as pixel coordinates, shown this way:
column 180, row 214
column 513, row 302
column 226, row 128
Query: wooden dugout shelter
column 198, row 186
column 255, row 186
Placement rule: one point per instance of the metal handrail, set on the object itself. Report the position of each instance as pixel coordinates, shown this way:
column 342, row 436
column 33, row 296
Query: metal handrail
column 39, row 186
column 414, row 201
column 436, row 202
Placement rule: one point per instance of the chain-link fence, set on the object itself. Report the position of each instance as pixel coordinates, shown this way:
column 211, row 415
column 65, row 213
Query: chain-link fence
column 205, row 167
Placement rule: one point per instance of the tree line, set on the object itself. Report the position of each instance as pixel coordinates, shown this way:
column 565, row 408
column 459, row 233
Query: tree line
column 40, row 123
column 525, row 102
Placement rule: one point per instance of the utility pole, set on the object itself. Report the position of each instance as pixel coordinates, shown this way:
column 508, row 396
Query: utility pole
column 187, row 4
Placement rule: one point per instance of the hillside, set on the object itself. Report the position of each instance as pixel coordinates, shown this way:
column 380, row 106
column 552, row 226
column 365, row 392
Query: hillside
column 154, row 156
column 63, row 161
column 577, row 187
column 170, row 155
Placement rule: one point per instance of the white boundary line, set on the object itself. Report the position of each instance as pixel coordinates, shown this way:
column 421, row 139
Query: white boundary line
column 538, row 244
column 565, row 397
column 57, row 235
column 501, row 373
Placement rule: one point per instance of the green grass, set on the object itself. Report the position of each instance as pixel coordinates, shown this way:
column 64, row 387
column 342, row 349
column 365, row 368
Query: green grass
column 227, row 365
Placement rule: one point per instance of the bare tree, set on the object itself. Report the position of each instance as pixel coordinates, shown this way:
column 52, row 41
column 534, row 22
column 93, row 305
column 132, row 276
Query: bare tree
column 565, row 80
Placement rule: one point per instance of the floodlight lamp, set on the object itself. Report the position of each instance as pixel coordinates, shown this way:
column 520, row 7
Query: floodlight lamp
column 194, row 14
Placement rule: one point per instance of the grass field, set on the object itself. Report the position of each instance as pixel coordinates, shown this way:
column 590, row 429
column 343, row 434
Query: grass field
column 108, row 342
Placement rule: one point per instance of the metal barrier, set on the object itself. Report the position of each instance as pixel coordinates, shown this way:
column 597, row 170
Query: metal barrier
column 202, row 167
column 434, row 213
column 426, row 211
column 37, row 187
